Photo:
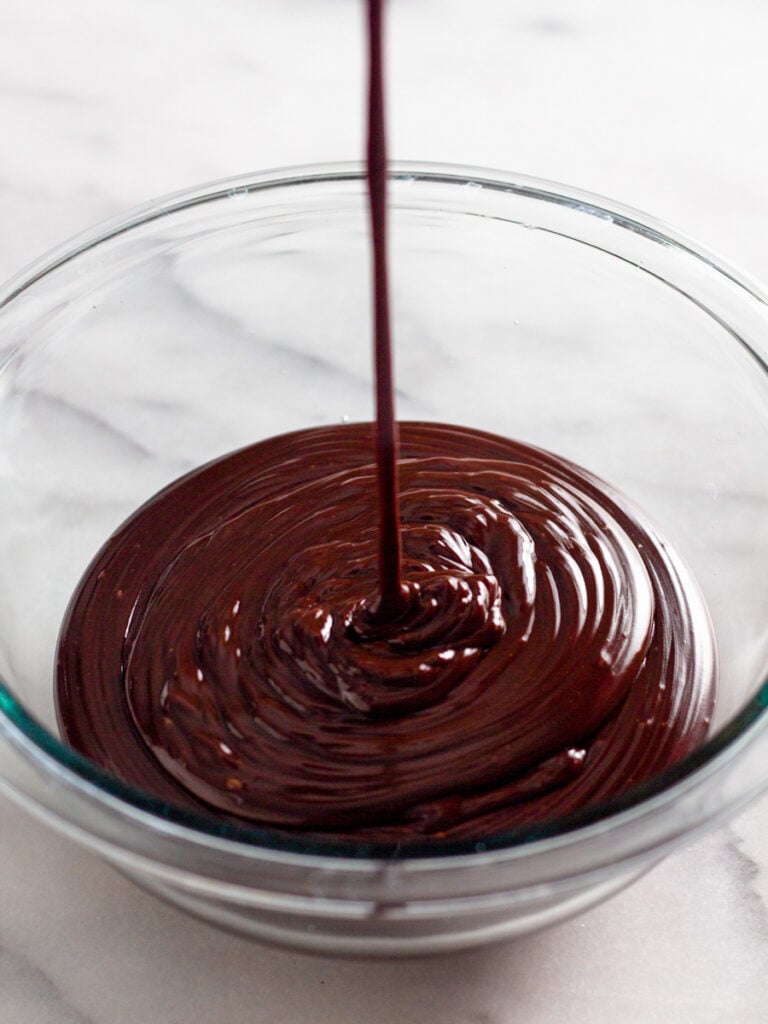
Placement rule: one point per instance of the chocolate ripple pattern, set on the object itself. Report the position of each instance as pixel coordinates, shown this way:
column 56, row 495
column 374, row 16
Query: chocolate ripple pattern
column 223, row 653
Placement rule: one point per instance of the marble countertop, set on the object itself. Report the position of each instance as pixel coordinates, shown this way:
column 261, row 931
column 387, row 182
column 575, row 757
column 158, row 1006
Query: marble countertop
column 661, row 105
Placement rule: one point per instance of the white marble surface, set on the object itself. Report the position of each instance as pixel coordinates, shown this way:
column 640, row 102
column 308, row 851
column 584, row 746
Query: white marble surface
column 661, row 105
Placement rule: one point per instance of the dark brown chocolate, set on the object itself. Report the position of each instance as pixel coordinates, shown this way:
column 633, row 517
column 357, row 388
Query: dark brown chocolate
column 220, row 652
column 390, row 598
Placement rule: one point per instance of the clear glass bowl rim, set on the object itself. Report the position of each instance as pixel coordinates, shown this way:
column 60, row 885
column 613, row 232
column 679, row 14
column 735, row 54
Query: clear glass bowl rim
column 46, row 754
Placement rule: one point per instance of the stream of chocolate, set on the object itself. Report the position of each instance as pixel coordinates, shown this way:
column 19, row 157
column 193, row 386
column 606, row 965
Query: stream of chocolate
column 391, row 595
column 260, row 642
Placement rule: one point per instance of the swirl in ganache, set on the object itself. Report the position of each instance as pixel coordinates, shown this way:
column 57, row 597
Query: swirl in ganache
column 222, row 651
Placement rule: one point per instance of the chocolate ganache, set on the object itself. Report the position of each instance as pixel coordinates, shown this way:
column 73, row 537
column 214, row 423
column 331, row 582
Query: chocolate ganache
column 551, row 650
column 501, row 638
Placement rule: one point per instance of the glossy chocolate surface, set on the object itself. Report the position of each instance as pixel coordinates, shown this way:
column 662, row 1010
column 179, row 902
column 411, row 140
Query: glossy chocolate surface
column 221, row 652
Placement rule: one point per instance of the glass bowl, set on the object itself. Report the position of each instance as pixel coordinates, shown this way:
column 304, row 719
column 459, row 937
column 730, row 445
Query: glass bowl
column 231, row 312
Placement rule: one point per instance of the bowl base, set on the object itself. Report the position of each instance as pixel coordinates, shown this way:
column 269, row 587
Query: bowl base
column 409, row 931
